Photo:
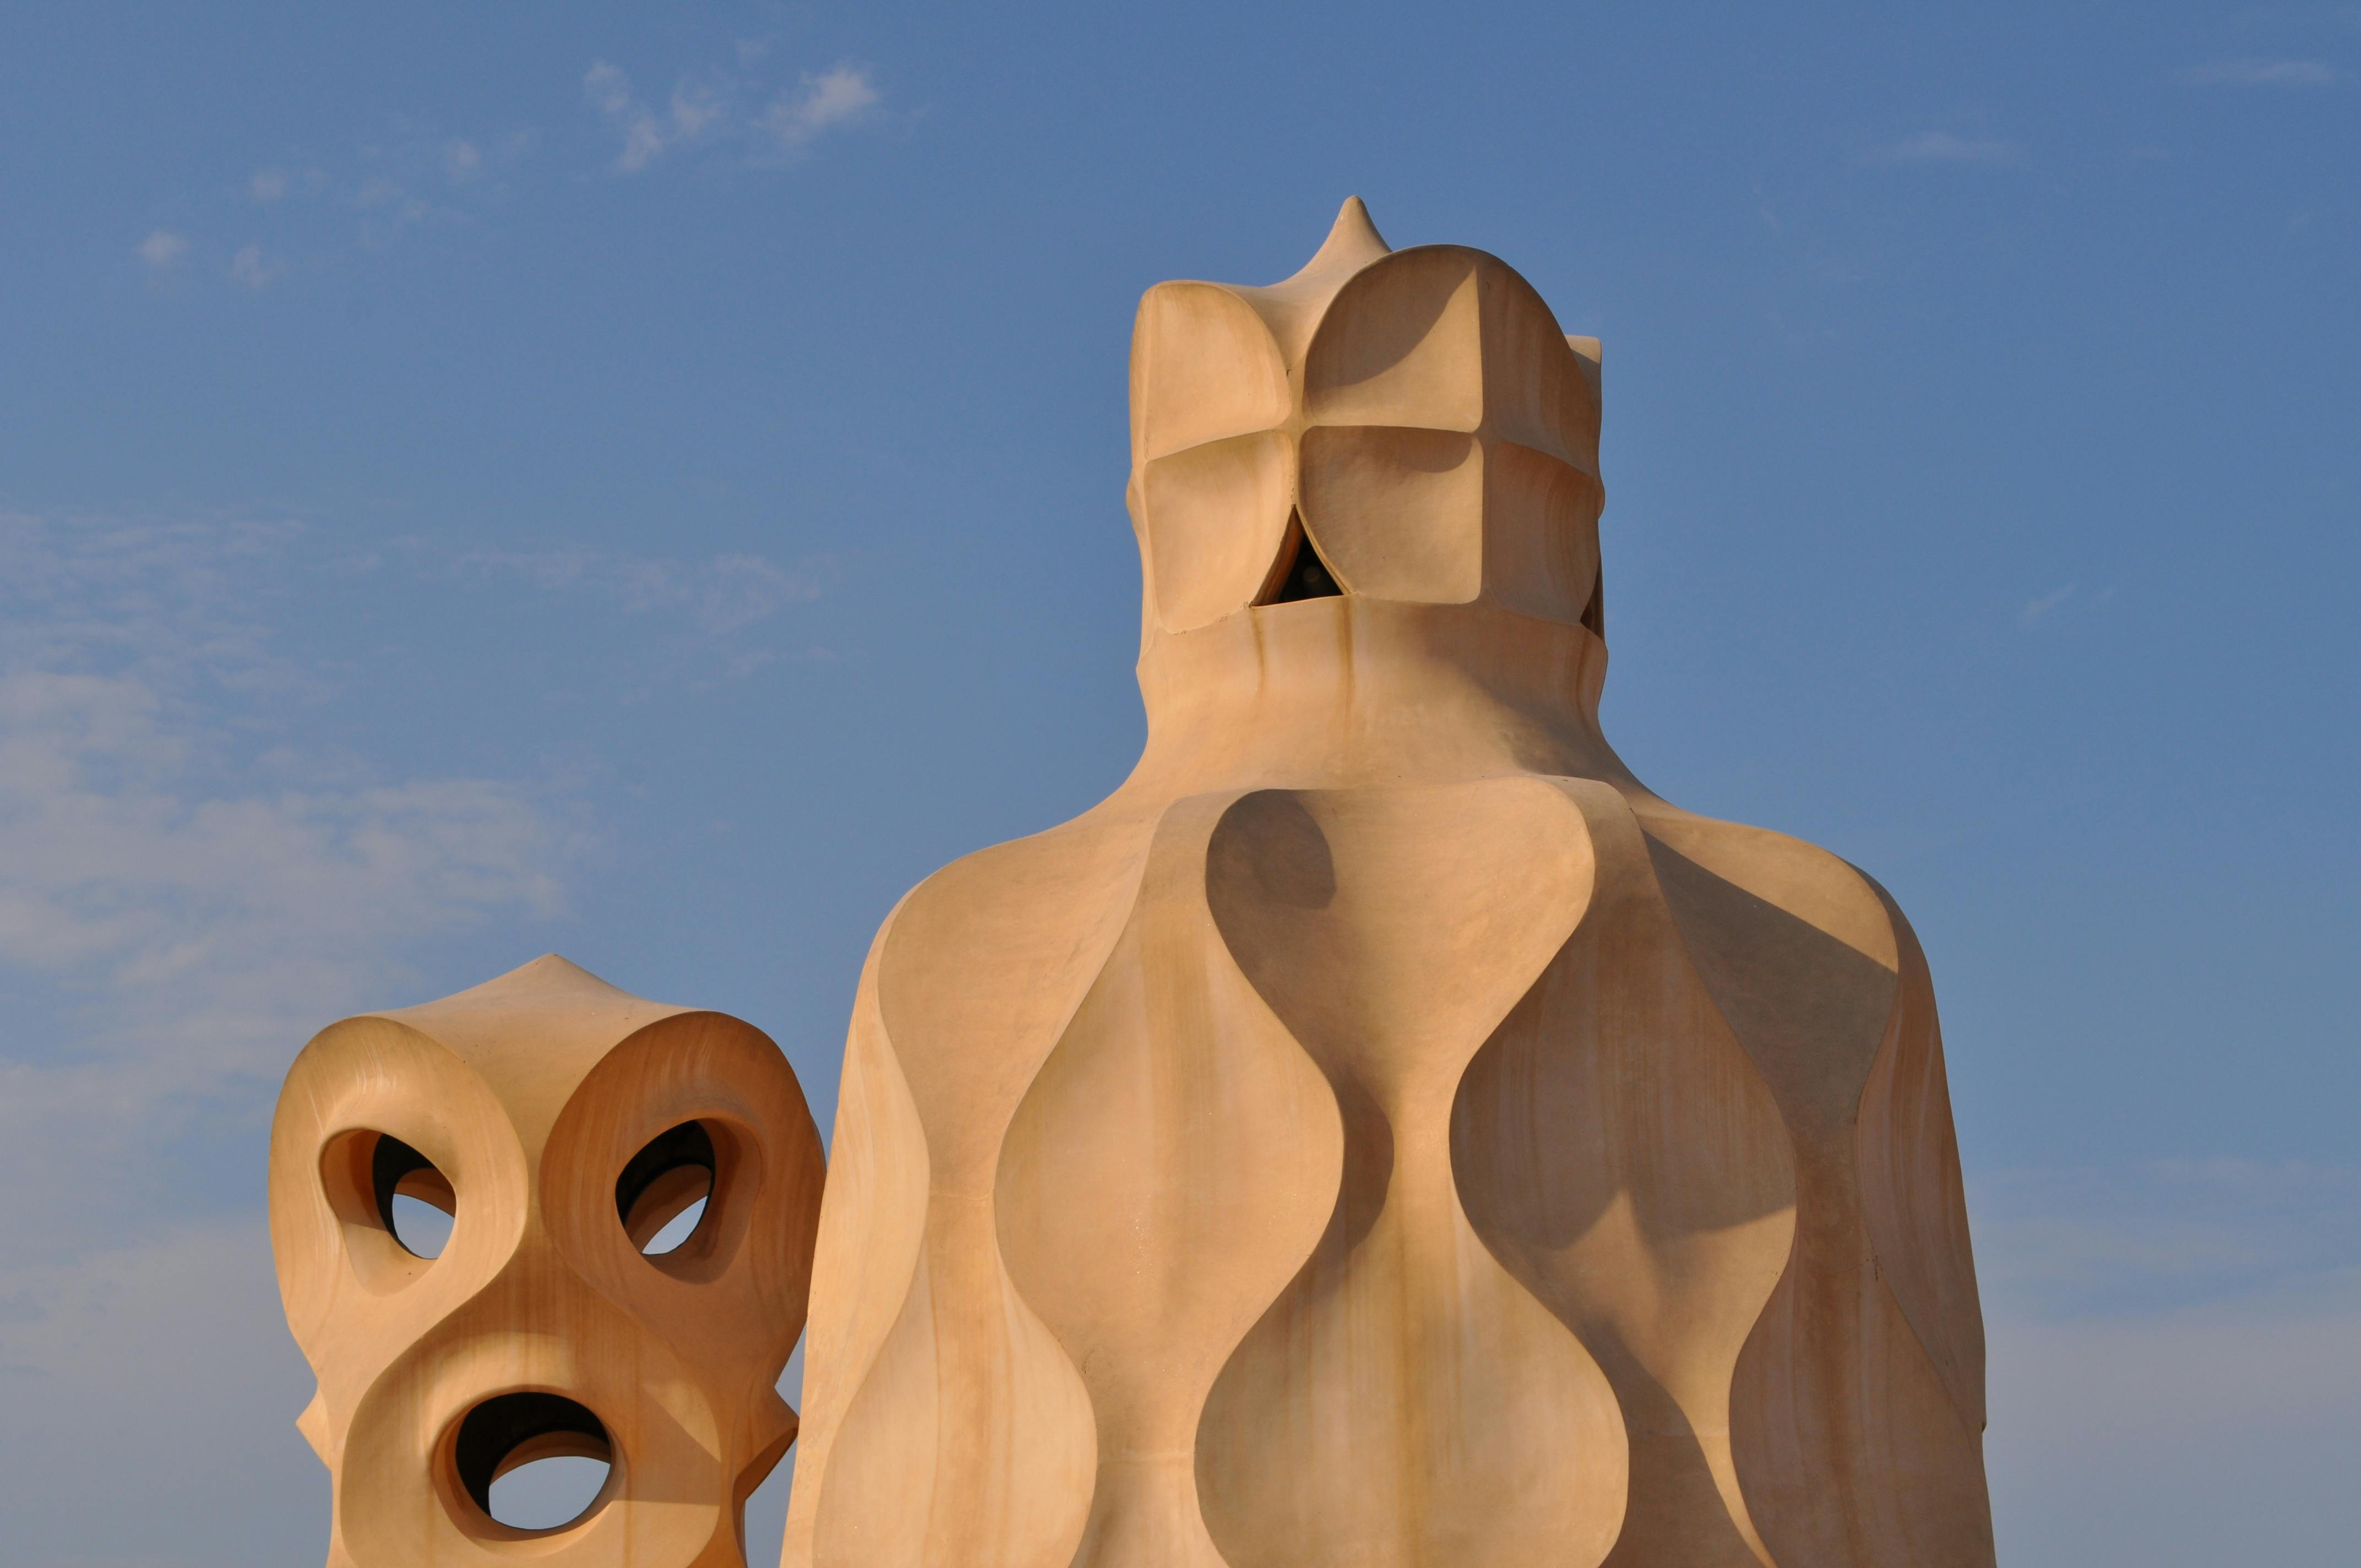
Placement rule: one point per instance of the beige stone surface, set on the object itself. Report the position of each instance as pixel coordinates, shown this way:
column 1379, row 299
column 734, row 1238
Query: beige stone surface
column 563, row 1122
column 1383, row 1132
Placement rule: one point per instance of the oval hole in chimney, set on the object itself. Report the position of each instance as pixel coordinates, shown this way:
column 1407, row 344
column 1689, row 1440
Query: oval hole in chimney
column 663, row 1194
column 534, row 1461
column 414, row 1201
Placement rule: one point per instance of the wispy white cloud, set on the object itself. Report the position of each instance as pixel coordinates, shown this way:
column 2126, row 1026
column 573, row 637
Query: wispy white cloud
column 1945, row 146
column 646, row 135
column 2037, row 608
column 390, row 206
column 418, row 174
column 707, row 108
column 2058, row 602
column 833, row 98
column 266, row 187
column 162, row 250
column 2263, row 73
column 698, row 107
column 195, row 887
column 180, row 901
column 253, row 268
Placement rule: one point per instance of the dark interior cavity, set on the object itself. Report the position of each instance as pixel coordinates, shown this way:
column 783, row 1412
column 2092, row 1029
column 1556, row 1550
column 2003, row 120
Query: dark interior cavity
column 398, row 1170
column 1304, row 576
column 390, row 1161
column 514, row 1430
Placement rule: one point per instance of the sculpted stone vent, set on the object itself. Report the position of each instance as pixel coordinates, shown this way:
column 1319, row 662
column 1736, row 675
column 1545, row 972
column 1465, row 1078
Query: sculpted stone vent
column 566, row 1124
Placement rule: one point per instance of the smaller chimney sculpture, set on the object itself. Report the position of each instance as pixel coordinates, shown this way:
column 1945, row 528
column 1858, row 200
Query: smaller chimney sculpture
column 562, row 1122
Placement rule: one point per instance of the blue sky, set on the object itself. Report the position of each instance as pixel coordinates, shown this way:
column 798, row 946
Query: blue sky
column 647, row 483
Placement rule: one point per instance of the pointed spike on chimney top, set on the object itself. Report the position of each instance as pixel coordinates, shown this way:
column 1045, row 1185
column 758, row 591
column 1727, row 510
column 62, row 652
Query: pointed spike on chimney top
column 1353, row 240
column 1353, row 224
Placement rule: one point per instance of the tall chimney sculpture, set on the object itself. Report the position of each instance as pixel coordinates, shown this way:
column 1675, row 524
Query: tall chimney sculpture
column 1383, row 1134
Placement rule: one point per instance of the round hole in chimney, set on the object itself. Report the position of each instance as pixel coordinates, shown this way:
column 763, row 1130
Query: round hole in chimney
column 534, row 1461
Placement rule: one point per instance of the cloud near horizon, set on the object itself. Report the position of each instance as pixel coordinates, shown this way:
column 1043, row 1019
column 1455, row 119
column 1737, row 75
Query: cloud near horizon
column 2171, row 1360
